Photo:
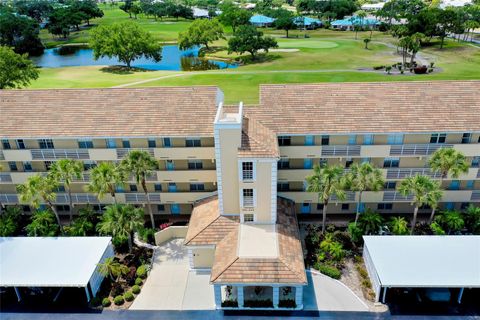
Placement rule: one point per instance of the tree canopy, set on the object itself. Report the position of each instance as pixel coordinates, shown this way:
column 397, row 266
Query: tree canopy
column 126, row 41
column 249, row 39
column 200, row 32
column 16, row 71
column 20, row 32
column 233, row 16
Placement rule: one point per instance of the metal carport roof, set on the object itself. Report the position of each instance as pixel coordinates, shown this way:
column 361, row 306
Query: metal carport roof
column 50, row 261
column 424, row 261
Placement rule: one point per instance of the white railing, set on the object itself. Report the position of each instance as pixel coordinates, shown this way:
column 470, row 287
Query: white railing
column 140, row 197
column 416, row 149
column 5, row 177
column 395, row 196
column 77, row 198
column 349, row 196
column 475, row 195
column 410, row 172
column 60, row 154
column 8, row 198
column 353, row 150
column 122, row 152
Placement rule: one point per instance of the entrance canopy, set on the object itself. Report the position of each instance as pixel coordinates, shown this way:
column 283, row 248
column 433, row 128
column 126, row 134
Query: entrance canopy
column 52, row 261
column 423, row 261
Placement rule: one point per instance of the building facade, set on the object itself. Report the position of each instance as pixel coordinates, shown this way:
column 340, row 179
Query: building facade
column 394, row 126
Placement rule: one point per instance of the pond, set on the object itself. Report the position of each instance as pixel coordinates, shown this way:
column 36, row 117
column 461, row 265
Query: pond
column 173, row 59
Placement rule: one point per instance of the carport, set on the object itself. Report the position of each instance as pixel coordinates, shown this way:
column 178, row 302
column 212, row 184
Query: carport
column 422, row 262
column 53, row 262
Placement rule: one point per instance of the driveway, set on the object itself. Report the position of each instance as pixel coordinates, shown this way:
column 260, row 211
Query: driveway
column 171, row 285
column 326, row 294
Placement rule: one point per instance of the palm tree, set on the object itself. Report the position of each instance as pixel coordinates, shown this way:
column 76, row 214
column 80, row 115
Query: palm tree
column 66, row 170
column 38, row 189
column 419, row 187
column 399, row 226
column 326, row 182
column 9, row 221
column 364, row 177
column 141, row 164
column 121, row 221
column 433, row 198
column 472, row 219
column 81, row 227
column 370, row 222
column 112, row 268
column 453, row 221
column 448, row 161
column 42, row 225
column 104, row 178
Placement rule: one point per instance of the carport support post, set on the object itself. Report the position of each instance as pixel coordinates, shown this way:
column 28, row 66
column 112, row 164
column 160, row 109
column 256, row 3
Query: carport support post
column 240, row 296
column 384, row 294
column 460, row 294
column 17, row 292
column 276, row 296
column 299, row 297
column 217, row 289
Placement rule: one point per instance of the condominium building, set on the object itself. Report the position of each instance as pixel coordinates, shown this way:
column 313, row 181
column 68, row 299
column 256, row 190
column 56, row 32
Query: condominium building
column 238, row 172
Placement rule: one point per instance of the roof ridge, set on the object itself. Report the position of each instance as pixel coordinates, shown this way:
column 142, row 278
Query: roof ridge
column 234, row 260
column 208, row 225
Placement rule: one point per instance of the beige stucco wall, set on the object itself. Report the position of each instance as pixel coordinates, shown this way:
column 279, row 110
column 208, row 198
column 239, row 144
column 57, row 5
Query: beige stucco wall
column 203, row 257
column 229, row 143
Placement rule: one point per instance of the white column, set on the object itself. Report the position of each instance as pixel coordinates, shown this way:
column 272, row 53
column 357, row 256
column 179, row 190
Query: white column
column 276, row 296
column 217, row 290
column 191, row 259
column 384, row 294
column 19, row 296
column 299, row 297
column 460, row 294
column 240, row 296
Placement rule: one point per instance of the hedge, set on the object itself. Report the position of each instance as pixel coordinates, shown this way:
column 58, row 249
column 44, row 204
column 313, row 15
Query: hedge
column 330, row 271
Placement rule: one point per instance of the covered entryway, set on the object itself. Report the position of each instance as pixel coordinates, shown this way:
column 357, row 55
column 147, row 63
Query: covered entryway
column 429, row 269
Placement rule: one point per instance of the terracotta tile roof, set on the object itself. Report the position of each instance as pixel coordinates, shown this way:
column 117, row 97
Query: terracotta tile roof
column 288, row 267
column 257, row 140
column 415, row 106
column 207, row 226
column 143, row 112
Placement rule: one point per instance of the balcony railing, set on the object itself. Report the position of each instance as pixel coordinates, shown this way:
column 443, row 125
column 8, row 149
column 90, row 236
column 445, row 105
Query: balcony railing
column 47, row 154
column 8, row 198
column 5, row 177
column 410, row 172
column 350, row 196
column 475, row 195
column 140, row 197
column 478, row 173
column 62, row 198
column 2, row 156
column 122, row 152
column 416, row 149
column 395, row 196
column 341, row 150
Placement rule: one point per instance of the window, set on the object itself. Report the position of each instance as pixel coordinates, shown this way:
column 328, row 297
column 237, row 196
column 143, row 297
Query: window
column 345, row 206
column 438, row 138
column 195, row 164
column 391, row 162
column 85, row 144
column 306, row 207
column 284, row 141
column 283, row 186
column 464, row 205
column 454, row 185
column 323, row 162
column 325, row 140
column 119, row 189
column 63, row 207
column 348, row 162
column 385, row 206
column 283, row 164
column 160, row 207
column 48, row 164
column 368, row 139
column 167, row 143
column 475, row 162
column 319, row 206
column 395, row 139
column 125, row 143
column 193, row 142
column 13, row 166
column 390, row 185
column 6, row 144
column 60, row 188
column 88, row 164
column 20, row 144
column 133, row 188
column 247, row 170
column 307, row 163
column 197, row 187
column 309, row 140
column 26, row 209
column 466, row 137
column 175, row 208
column 450, row 206
column 98, row 207
column 247, row 198
column 152, row 143
column 27, row 166
column 111, row 144
column 352, row 139
column 172, row 187
column 157, row 186
column 366, row 160
column 248, row 217
column 45, row 143
column 169, row 165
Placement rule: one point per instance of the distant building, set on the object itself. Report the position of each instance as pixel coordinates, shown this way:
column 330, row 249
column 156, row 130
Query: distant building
column 261, row 20
column 350, row 22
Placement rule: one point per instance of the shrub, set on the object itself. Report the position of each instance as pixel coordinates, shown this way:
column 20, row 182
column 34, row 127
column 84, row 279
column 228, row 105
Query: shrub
column 138, row 281
column 330, row 271
column 128, row 296
column 378, row 67
column 136, row 289
column 366, row 283
column 142, row 271
column 230, row 304
column 118, row 300
column 288, row 303
column 106, row 302
column 96, row 301
column 363, row 273
column 117, row 290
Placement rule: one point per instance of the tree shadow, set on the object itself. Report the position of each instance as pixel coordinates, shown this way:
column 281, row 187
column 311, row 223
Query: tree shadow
column 259, row 58
column 122, row 70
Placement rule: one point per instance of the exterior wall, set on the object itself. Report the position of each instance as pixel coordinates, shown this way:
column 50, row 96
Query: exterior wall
column 203, row 257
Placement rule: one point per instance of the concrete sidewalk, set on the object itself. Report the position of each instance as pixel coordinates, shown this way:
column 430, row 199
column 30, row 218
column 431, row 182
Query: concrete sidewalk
column 171, row 285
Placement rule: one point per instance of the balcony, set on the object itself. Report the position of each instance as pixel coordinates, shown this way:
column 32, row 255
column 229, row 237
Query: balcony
column 5, row 177
column 347, row 150
column 416, row 149
column 52, row 154
column 184, row 153
column 475, row 195
column 399, row 173
column 8, row 198
column 122, row 152
column 448, row 196
column 2, row 157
